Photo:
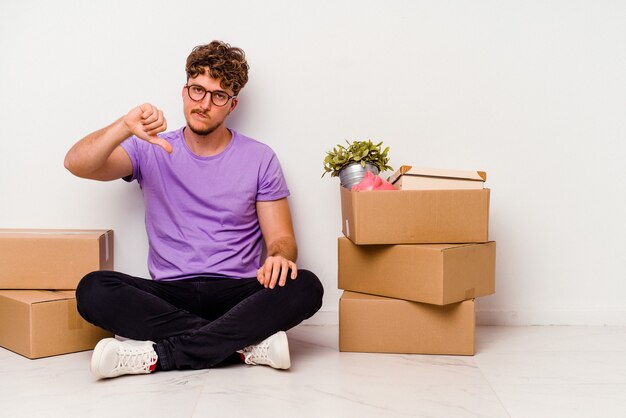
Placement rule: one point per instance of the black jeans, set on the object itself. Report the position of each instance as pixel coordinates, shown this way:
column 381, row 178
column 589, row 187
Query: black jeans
column 196, row 323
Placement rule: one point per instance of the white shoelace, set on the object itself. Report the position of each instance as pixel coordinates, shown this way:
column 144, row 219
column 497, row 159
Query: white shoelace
column 135, row 358
column 257, row 353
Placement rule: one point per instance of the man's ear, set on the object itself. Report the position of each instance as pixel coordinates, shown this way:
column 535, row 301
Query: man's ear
column 233, row 104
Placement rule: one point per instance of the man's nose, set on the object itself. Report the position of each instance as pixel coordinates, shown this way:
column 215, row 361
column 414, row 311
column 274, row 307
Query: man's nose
column 206, row 103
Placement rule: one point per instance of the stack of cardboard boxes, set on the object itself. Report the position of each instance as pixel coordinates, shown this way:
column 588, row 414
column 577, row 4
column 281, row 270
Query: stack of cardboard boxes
column 412, row 261
column 39, row 272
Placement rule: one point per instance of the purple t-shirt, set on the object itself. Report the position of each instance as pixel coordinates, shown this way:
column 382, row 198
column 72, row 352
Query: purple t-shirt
column 201, row 214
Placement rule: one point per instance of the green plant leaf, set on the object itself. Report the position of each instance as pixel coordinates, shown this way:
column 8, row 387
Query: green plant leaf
column 362, row 152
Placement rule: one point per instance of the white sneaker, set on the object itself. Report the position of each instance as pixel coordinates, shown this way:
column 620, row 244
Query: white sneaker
column 112, row 358
column 272, row 351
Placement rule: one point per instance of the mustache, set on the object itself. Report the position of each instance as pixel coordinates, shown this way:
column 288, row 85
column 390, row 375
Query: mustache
column 199, row 111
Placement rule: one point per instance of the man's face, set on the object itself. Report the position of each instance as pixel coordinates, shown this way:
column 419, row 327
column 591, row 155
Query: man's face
column 204, row 117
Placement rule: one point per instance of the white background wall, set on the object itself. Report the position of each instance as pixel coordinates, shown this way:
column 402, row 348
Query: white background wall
column 533, row 92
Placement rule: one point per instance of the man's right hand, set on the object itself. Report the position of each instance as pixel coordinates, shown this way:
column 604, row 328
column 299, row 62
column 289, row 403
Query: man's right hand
column 145, row 122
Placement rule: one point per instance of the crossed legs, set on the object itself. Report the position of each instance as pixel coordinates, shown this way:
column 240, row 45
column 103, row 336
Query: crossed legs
column 196, row 323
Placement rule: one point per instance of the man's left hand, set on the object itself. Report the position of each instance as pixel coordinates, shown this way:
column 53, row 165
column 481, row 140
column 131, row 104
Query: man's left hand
column 275, row 270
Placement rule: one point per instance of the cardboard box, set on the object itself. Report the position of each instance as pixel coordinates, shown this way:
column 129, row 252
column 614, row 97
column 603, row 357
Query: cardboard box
column 41, row 323
column 430, row 273
column 415, row 216
column 52, row 259
column 376, row 324
column 414, row 178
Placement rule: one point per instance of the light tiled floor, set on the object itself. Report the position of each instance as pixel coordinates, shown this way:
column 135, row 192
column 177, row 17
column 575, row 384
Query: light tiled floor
column 517, row 372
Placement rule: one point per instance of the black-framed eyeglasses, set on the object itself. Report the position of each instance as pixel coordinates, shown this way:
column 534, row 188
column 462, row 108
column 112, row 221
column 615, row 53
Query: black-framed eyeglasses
column 197, row 94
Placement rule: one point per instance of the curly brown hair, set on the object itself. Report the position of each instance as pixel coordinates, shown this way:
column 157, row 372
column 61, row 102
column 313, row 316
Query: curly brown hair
column 225, row 63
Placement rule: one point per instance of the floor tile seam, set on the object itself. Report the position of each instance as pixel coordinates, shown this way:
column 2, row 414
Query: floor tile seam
column 493, row 390
column 538, row 326
column 200, row 392
column 560, row 384
column 367, row 404
column 478, row 355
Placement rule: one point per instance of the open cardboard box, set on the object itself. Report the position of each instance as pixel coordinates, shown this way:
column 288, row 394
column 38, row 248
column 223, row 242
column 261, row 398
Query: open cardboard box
column 376, row 324
column 41, row 323
column 429, row 273
column 52, row 258
column 415, row 178
column 415, row 216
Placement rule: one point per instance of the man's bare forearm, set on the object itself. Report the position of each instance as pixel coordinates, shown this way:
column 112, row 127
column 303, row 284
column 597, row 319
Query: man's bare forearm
column 96, row 156
column 91, row 153
column 285, row 246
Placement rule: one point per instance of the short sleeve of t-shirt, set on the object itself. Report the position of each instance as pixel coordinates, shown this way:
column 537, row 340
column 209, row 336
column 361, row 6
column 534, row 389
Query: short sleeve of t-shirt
column 272, row 185
column 131, row 146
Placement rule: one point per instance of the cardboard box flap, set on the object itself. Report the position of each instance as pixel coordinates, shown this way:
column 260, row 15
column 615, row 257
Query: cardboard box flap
column 53, row 233
column 434, row 247
column 407, row 170
column 37, row 296
column 445, row 247
column 358, row 296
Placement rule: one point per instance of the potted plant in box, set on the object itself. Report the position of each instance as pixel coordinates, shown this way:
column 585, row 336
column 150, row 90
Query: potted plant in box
column 350, row 162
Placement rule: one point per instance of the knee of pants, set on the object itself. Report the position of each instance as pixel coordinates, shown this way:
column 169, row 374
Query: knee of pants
column 311, row 289
column 89, row 293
